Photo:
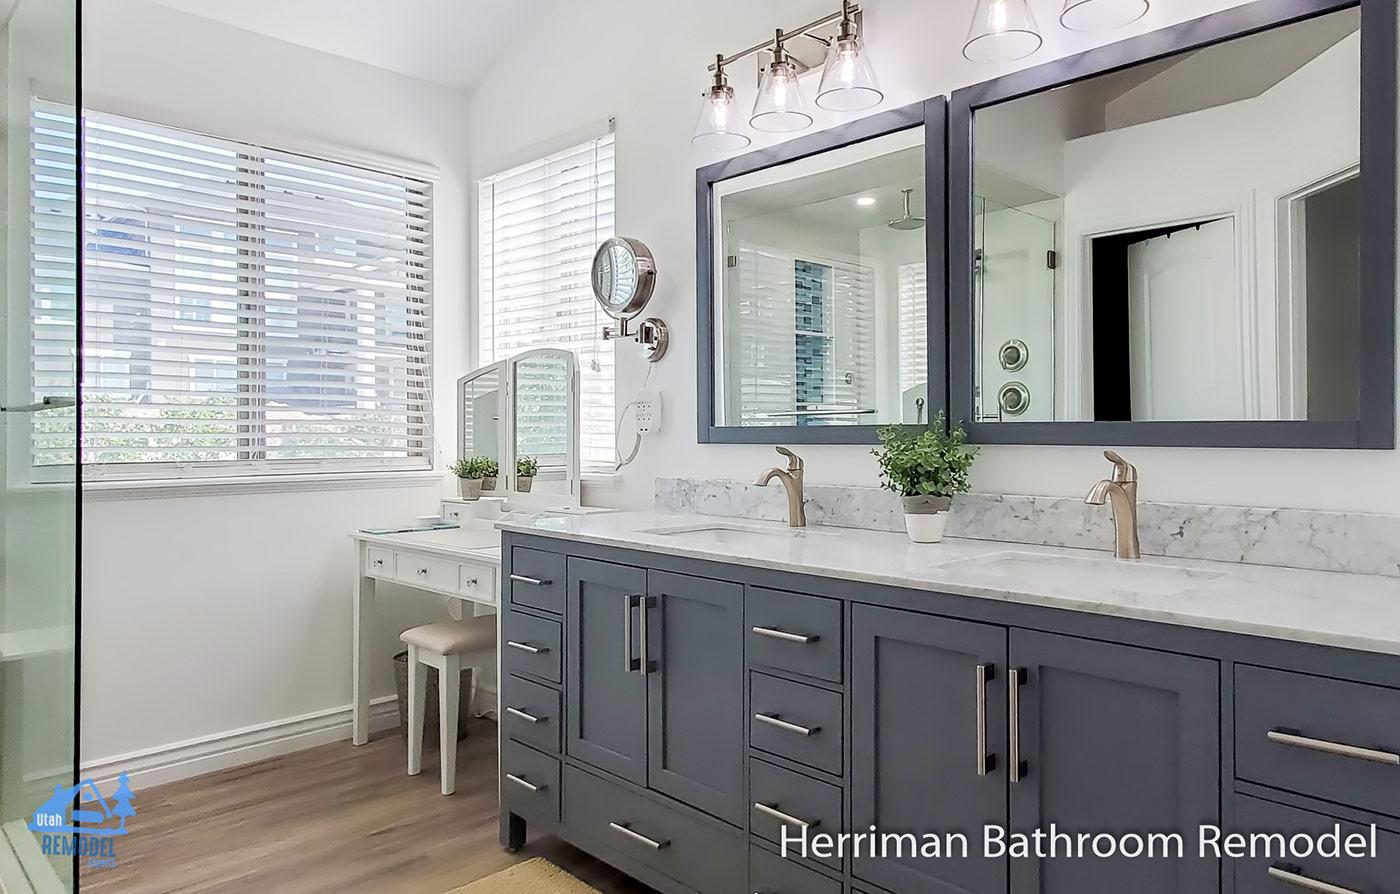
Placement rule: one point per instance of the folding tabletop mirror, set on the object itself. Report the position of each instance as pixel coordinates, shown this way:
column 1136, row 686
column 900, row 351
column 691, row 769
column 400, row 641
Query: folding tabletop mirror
column 543, row 429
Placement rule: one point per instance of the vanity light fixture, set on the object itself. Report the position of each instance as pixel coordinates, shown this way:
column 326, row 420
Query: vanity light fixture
column 715, row 131
column 779, row 107
column 1099, row 15
column 848, row 81
column 1002, row 31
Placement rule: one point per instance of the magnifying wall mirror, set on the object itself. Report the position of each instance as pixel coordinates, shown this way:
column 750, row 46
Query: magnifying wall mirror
column 1197, row 248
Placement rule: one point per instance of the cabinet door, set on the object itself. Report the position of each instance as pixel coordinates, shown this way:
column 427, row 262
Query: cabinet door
column 918, row 761
column 1119, row 740
column 606, row 693
column 695, row 630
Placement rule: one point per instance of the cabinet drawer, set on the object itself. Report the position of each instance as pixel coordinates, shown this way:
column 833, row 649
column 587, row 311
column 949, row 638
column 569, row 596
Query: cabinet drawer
column 1317, row 736
column 530, row 713
column 477, row 582
column 799, row 722
column 425, row 571
column 772, row 874
column 679, row 846
column 379, row 562
column 776, row 793
column 793, row 632
column 532, row 646
column 537, row 579
column 529, row 783
column 1364, row 875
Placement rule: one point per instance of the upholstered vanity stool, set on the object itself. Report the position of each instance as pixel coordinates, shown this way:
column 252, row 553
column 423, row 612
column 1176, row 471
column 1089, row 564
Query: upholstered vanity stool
column 449, row 647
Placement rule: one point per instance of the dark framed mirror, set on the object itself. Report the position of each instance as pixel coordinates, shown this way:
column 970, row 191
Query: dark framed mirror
column 819, row 283
column 1184, row 239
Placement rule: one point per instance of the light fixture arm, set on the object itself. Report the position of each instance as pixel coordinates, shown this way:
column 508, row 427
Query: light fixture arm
column 846, row 17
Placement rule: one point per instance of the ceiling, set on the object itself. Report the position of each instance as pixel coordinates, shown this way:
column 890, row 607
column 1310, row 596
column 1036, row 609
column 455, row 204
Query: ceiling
column 448, row 42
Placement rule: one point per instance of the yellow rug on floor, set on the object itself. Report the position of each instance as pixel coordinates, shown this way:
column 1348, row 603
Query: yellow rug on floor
column 537, row 876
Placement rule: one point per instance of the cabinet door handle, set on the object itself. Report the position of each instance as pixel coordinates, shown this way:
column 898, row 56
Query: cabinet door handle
column 786, row 819
column 1309, row 884
column 532, row 581
column 1014, row 679
column 1366, row 754
column 775, row 721
column 774, row 633
column 630, row 662
column 984, row 673
column 526, row 647
column 528, row 786
column 527, row 717
column 644, row 603
column 638, row 837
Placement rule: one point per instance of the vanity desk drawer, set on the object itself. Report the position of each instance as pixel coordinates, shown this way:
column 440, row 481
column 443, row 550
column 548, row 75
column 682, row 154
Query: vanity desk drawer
column 529, row 782
column 770, row 873
column 532, row 646
column 780, row 798
column 477, row 582
column 1329, row 739
column 379, row 562
column 793, row 632
column 530, row 713
column 1337, row 875
column 425, row 571
column 537, row 579
column 799, row 722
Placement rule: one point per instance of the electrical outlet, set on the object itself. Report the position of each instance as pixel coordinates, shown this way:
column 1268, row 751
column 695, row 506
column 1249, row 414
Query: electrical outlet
column 647, row 407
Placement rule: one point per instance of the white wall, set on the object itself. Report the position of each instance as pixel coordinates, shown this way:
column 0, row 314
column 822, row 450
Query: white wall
column 570, row 69
column 204, row 614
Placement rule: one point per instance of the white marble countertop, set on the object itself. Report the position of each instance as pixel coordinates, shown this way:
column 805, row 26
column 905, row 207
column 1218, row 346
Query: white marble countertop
column 1353, row 611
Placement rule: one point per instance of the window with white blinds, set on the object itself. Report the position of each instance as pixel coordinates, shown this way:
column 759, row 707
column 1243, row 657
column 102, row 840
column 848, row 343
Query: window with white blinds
column 913, row 326
column 249, row 310
column 540, row 224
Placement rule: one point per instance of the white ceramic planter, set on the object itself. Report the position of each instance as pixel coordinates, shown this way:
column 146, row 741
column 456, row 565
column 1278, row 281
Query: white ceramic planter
column 469, row 488
column 926, row 527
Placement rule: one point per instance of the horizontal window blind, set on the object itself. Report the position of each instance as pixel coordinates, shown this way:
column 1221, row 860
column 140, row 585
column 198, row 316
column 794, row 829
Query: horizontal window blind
column 249, row 310
column 913, row 330
column 540, row 225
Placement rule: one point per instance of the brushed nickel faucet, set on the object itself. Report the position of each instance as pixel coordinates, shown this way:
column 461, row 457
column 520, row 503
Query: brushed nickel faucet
column 1121, row 491
column 791, row 477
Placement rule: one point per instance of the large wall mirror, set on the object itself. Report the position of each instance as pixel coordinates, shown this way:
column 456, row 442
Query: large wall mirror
column 1187, row 238
column 816, row 287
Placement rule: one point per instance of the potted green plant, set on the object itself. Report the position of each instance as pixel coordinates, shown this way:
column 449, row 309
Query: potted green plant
column 471, row 472
column 926, row 468
column 492, row 469
column 526, row 468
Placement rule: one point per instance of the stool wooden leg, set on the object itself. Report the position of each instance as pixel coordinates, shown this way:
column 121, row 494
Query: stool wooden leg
column 417, row 693
column 449, row 696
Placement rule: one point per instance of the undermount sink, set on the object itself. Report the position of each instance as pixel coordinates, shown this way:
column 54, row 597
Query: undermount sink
column 1031, row 570
column 722, row 534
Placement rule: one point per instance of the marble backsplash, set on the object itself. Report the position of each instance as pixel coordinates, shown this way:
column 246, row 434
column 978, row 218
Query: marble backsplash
column 1359, row 543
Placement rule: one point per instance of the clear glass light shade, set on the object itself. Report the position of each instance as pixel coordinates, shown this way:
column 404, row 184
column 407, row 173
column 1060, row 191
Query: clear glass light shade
column 716, row 131
column 1100, row 15
column 848, row 82
column 1002, row 31
column 780, row 108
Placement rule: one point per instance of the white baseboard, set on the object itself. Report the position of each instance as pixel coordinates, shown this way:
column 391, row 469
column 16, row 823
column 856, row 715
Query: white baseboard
column 234, row 748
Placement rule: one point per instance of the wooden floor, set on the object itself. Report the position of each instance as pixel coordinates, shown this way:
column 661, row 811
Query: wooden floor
column 333, row 818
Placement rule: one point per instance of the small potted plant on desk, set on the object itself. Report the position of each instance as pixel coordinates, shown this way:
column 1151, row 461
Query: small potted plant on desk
column 926, row 467
column 471, row 472
column 490, row 469
column 525, row 470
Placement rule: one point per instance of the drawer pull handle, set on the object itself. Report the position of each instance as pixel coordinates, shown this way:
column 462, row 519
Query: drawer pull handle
column 532, row 581
column 786, row 819
column 1310, row 884
column 422, row 572
column 472, row 582
column 1016, row 677
column 528, row 786
column 638, row 837
column 773, row 633
column 1338, row 748
column 775, row 721
column 526, row 647
column 528, row 718
column 378, row 563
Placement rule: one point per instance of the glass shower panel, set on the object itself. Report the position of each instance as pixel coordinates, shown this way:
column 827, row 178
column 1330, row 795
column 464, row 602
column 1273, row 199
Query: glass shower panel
column 38, row 438
column 1016, row 261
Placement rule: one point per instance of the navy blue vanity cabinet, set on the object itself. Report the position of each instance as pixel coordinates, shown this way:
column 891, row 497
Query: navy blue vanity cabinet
column 928, row 749
column 1113, row 739
column 605, row 689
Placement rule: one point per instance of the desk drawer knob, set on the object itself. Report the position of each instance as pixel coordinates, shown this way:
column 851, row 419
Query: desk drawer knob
column 378, row 563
